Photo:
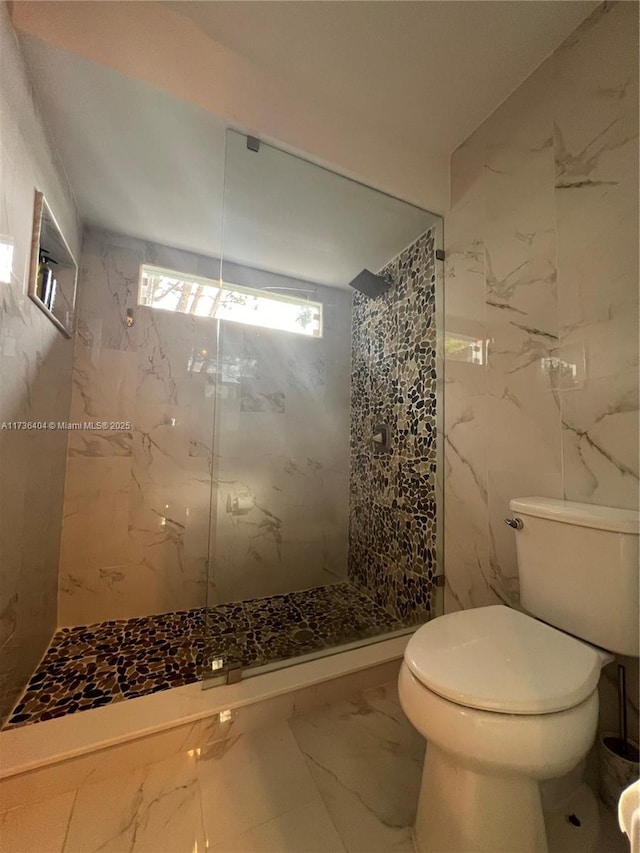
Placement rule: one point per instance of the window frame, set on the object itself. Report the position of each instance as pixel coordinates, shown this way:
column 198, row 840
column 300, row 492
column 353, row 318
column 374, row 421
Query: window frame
column 221, row 285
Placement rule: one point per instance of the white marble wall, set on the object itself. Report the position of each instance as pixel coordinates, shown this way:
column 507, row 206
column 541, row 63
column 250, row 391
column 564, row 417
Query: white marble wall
column 35, row 383
column 135, row 538
column 282, row 440
column 542, row 273
column 136, row 509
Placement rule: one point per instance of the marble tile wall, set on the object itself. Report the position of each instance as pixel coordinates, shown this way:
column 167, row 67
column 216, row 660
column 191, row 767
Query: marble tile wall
column 393, row 496
column 136, row 505
column 541, row 277
column 35, row 383
column 282, row 450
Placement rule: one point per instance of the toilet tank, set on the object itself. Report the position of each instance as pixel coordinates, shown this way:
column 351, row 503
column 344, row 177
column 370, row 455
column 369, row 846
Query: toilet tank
column 578, row 567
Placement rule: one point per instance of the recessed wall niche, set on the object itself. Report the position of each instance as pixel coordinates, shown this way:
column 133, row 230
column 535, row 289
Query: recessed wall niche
column 53, row 270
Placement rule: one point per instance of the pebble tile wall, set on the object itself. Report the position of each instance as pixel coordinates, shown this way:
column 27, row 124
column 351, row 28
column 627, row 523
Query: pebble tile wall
column 392, row 524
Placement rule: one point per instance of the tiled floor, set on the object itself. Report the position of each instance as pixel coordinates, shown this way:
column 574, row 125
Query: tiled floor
column 340, row 779
column 95, row 665
column 612, row 839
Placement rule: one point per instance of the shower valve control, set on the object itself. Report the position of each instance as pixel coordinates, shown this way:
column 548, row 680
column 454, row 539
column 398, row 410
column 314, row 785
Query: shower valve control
column 381, row 438
column 514, row 522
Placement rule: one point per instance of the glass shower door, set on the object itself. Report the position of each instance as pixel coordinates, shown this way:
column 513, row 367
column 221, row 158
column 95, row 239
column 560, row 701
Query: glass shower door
column 307, row 511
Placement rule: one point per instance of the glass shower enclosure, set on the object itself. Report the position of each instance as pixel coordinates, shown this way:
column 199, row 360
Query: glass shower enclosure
column 326, row 486
column 271, row 487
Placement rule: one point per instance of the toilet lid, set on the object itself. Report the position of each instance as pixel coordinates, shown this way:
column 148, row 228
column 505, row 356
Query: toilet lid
column 497, row 659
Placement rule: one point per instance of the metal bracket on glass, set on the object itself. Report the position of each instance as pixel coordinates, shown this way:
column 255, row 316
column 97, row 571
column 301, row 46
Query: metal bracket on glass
column 234, row 673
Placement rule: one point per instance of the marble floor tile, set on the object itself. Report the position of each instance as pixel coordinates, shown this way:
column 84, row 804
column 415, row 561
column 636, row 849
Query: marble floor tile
column 307, row 828
column 151, row 810
column 367, row 762
column 22, row 830
column 611, row 838
column 256, row 792
column 343, row 778
column 251, row 779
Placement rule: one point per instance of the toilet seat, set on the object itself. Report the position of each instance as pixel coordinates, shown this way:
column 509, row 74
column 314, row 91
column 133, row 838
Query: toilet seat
column 498, row 659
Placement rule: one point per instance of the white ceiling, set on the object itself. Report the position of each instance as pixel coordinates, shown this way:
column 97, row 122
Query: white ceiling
column 148, row 164
column 434, row 69
column 140, row 162
column 152, row 166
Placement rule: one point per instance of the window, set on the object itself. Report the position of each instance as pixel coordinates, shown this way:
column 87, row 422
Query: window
column 173, row 291
column 6, row 259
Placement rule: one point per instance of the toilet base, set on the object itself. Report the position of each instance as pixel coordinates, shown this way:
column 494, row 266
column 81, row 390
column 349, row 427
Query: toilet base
column 462, row 809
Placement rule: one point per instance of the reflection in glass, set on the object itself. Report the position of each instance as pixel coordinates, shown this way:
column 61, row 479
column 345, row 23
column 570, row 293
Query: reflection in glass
column 459, row 347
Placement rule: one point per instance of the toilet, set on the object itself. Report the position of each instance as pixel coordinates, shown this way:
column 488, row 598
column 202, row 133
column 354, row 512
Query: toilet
column 507, row 700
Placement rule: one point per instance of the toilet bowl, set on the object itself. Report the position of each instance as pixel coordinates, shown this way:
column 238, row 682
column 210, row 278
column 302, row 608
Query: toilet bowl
column 504, row 702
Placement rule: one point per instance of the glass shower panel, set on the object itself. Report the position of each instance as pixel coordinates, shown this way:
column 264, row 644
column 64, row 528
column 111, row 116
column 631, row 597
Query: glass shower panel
column 308, row 512
column 282, row 450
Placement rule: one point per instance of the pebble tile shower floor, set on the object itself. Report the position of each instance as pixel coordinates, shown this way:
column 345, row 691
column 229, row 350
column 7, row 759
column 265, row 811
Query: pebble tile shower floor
column 94, row 665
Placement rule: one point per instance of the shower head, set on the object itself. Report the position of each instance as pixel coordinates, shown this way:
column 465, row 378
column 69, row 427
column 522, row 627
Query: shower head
column 370, row 284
